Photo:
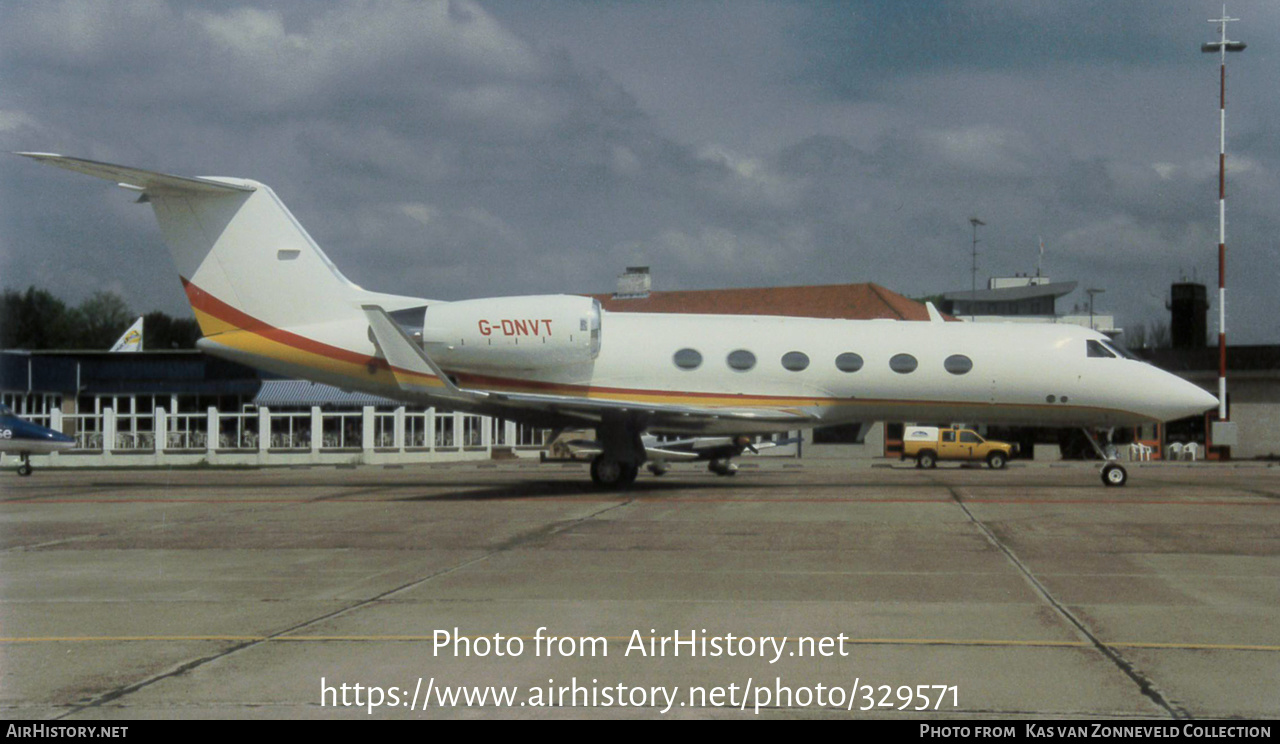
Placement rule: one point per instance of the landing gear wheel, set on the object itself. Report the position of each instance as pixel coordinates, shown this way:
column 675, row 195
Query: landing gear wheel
column 658, row 469
column 1114, row 475
column 996, row 460
column 629, row 473
column 927, row 460
column 25, row 468
column 723, row 466
column 606, row 472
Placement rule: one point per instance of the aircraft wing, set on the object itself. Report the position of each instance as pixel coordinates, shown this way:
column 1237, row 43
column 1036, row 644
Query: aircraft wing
column 654, row 415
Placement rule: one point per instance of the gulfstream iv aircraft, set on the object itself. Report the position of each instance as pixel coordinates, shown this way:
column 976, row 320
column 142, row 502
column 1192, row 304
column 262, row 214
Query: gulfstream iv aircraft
column 265, row 294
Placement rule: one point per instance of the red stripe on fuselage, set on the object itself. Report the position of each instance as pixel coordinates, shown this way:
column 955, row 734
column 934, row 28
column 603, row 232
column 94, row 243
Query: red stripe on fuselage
column 207, row 303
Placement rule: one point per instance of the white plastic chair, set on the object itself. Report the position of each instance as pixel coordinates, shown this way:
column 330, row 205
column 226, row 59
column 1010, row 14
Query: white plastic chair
column 1175, row 451
column 1190, row 451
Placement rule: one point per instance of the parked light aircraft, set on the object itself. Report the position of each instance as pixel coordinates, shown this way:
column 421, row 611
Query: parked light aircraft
column 718, row 452
column 25, row 439
column 266, row 295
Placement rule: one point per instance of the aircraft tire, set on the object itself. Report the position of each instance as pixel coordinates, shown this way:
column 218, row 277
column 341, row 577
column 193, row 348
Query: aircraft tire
column 607, row 472
column 629, row 473
column 1114, row 475
column 25, row 469
column 722, row 466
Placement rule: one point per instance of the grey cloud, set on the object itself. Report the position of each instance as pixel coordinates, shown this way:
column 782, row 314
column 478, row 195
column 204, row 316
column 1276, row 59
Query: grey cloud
column 472, row 149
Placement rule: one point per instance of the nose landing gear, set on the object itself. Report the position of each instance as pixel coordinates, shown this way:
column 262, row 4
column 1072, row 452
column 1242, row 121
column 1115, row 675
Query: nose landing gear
column 1113, row 473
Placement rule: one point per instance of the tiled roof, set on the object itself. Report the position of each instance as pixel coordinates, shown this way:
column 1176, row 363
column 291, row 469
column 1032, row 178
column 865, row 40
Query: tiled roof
column 303, row 393
column 850, row 301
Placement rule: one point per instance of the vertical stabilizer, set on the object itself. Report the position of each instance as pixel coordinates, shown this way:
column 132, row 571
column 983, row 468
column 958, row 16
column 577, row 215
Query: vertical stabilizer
column 245, row 262
column 130, row 340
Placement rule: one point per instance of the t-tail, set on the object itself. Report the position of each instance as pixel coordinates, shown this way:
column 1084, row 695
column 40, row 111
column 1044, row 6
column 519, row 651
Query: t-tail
column 261, row 289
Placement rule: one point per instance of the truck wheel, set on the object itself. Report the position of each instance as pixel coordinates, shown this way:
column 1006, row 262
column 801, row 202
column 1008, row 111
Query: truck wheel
column 996, row 460
column 927, row 459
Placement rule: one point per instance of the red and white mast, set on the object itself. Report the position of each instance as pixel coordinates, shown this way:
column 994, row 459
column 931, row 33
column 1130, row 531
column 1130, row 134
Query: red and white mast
column 1222, row 46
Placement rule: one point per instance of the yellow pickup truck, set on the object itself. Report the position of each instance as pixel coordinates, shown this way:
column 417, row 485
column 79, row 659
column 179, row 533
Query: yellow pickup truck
column 929, row 444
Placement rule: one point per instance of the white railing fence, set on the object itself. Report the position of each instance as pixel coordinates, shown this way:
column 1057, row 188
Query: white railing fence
column 261, row 432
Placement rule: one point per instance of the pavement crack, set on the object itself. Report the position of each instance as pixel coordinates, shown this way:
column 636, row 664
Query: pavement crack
column 1145, row 684
column 530, row 536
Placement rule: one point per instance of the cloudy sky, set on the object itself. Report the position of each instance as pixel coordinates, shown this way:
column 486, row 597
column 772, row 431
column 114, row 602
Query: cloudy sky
column 492, row 147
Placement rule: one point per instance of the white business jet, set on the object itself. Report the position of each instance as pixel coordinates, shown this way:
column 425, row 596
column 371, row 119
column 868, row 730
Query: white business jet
column 266, row 295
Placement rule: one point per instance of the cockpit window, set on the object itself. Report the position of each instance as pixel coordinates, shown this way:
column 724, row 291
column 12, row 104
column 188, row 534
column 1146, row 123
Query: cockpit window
column 1120, row 350
column 1098, row 349
column 4, row 410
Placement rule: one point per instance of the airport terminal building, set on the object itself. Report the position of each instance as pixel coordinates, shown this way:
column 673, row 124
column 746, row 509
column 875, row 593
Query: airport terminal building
column 187, row 408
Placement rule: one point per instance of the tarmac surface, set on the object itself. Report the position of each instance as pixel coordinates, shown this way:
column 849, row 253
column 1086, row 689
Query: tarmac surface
column 1031, row 592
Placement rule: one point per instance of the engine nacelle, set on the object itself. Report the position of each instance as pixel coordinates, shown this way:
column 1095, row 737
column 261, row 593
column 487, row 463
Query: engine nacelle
column 513, row 333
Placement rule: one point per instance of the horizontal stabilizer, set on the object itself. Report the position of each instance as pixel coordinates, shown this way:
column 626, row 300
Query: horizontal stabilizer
column 135, row 177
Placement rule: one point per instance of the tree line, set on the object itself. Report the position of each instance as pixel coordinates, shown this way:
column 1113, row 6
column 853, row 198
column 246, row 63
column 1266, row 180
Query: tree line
column 37, row 320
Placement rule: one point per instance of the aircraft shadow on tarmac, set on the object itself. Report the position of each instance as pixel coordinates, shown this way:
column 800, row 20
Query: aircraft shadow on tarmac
column 533, row 489
column 480, row 490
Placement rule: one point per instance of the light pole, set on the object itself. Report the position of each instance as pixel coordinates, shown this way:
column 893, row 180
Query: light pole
column 1222, row 46
column 973, row 276
column 1091, row 293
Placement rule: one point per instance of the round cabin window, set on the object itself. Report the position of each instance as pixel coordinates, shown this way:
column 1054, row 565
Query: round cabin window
column 688, row 359
column 848, row 362
column 958, row 364
column 795, row 361
column 903, row 363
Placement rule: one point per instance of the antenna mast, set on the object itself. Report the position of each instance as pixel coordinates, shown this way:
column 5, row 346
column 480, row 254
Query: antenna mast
column 973, row 277
column 1222, row 46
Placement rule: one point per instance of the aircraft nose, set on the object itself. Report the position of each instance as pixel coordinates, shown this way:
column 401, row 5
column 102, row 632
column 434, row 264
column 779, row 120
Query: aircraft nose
column 1206, row 400
column 1192, row 400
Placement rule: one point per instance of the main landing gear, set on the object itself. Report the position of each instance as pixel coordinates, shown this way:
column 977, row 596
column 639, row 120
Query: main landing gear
column 25, row 468
column 623, row 454
column 723, row 466
column 607, row 472
column 1113, row 473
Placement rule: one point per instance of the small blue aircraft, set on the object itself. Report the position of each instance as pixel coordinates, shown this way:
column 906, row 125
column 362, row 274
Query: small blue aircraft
column 26, row 439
